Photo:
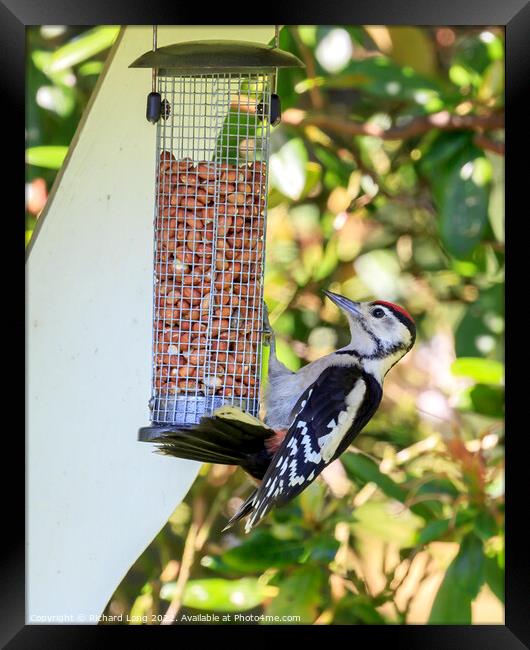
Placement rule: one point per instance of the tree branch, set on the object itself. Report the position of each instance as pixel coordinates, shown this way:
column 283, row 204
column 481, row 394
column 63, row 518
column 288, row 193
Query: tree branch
column 443, row 121
column 489, row 145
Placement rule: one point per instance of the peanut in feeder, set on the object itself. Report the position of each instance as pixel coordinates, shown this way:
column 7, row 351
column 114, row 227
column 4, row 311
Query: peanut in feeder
column 213, row 104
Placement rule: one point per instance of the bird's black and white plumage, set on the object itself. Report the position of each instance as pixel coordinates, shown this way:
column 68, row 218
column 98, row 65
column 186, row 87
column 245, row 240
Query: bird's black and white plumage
column 331, row 412
column 312, row 415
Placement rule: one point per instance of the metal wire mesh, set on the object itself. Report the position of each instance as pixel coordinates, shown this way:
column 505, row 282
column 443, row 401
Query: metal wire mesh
column 210, row 211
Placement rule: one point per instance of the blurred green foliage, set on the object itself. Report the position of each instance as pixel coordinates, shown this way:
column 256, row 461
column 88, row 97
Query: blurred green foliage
column 408, row 526
column 63, row 64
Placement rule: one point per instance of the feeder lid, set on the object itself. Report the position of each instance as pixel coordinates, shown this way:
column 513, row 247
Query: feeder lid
column 203, row 57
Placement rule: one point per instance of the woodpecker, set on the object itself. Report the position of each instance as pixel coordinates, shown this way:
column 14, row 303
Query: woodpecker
column 312, row 415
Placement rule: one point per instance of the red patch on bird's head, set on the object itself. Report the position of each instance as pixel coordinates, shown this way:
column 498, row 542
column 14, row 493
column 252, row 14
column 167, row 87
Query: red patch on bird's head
column 395, row 308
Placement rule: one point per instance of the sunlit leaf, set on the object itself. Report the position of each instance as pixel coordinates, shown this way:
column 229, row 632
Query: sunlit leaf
column 329, row 261
column 140, row 608
column 50, row 157
column 485, row 371
column 83, row 47
column 90, row 68
column 217, row 594
column 383, row 519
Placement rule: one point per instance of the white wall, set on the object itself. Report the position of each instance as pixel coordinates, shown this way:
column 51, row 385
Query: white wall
column 96, row 496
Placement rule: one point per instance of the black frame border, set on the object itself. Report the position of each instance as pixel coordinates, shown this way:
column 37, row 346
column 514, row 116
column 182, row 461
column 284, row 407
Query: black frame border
column 15, row 15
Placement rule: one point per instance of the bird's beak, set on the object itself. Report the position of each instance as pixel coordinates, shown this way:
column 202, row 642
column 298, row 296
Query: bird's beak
column 344, row 303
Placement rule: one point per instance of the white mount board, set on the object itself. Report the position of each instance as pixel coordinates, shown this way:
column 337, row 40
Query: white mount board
column 96, row 496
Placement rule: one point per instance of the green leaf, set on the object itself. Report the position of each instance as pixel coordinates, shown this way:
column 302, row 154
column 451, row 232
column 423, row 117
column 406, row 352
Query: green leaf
column 238, row 135
column 483, row 399
column 299, row 595
column 474, row 327
column 337, row 171
column 313, row 172
column 329, row 260
column 462, row 196
column 383, row 520
column 217, row 594
column 469, row 565
column 496, row 204
column 83, row 47
column 381, row 77
column 354, row 609
column 262, row 551
column 495, row 577
column 360, row 467
column 438, row 528
column 461, row 584
column 51, row 157
column 42, row 60
column 322, row 549
column 439, row 151
column 451, row 604
column 485, row 371
column 433, row 530
column 90, row 68
column 492, row 82
column 485, row 525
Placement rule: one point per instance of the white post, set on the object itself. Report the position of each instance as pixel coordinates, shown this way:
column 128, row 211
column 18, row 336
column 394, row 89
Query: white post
column 97, row 496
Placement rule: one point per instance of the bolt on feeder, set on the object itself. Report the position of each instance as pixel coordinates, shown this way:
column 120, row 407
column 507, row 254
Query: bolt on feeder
column 213, row 104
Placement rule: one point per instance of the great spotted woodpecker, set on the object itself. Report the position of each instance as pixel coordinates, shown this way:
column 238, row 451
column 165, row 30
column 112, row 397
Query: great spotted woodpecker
column 312, row 415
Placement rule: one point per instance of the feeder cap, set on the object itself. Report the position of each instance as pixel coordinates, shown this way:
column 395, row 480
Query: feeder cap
column 209, row 56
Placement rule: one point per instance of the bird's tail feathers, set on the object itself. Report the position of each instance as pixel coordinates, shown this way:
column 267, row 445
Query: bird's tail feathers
column 229, row 437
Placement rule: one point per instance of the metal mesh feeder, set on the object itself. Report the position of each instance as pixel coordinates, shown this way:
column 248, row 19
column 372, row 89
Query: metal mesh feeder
column 213, row 104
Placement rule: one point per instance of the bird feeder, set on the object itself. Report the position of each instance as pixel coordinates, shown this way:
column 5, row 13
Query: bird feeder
column 213, row 103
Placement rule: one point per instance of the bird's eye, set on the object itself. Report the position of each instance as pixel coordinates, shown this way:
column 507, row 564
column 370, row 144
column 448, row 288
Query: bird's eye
column 378, row 312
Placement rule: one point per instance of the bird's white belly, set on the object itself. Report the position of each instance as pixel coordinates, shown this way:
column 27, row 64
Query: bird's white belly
column 283, row 391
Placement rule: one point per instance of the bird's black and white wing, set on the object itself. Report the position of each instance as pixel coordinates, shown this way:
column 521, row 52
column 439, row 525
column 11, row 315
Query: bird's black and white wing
column 331, row 412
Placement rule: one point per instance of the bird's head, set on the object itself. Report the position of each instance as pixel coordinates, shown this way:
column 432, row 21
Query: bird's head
column 381, row 331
